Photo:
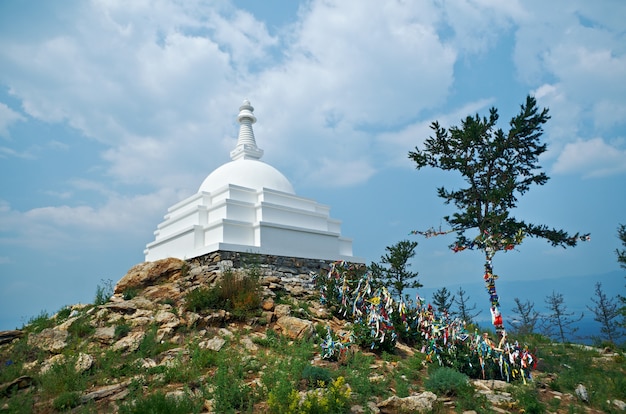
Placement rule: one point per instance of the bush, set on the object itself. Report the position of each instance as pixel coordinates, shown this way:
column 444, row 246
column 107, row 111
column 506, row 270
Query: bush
column 81, row 328
column 447, row 381
column 160, row 403
column 316, row 375
column 104, row 292
column 121, row 330
column 239, row 294
column 40, row 322
column 332, row 400
column 66, row 400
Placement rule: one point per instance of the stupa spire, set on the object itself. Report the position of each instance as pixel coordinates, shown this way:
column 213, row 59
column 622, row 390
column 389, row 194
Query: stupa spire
column 246, row 147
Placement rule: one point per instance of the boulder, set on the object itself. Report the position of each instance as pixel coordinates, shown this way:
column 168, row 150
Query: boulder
column 130, row 342
column 83, row 362
column 50, row 339
column 295, row 328
column 214, row 344
column 104, row 335
column 8, row 336
column 420, row 403
column 149, row 274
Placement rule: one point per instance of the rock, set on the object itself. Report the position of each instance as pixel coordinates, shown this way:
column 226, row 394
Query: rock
column 83, row 362
column 50, row 339
column 282, row 310
column 149, row 274
column 248, row 344
column 8, row 336
column 217, row 318
column 581, row 392
column 192, row 318
column 268, row 304
column 129, row 342
column 19, row 383
column 167, row 319
column 129, row 307
column 104, row 392
column 104, row 335
column 490, row 384
column 52, row 361
column 162, row 292
column 621, row 405
column 214, row 344
column 412, row 404
column 295, row 328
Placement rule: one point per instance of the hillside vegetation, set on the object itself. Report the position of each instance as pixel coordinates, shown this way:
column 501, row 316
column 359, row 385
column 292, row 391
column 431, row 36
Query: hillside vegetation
column 179, row 337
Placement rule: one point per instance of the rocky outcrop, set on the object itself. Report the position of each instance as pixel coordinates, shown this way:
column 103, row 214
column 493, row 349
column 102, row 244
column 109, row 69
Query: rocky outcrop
column 49, row 339
column 148, row 274
column 295, row 328
column 421, row 403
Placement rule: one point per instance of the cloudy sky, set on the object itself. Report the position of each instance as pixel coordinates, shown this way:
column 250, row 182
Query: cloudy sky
column 111, row 111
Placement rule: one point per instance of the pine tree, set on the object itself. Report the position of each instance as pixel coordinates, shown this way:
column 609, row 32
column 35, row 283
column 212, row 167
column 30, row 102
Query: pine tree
column 442, row 300
column 559, row 322
column 392, row 271
column 498, row 167
column 464, row 311
column 526, row 317
column 605, row 312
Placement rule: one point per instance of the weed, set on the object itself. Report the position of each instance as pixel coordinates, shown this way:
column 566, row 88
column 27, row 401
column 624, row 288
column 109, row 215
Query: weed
column 121, row 330
column 333, row 400
column 230, row 393
column 66, row 401
column 104, row 292
column 527, row 399
column 40, row 322
column 63, row 377
column 160, row 403
column 315, row 375
column 63, row 313
column 81, row 328
column 130, row 293
column 446, row 381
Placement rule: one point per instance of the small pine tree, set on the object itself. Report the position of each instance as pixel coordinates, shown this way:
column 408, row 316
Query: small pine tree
column 605, row 312
column 621, row 259
column 393, row 270
column 464, row 311
column 442, row 300
column 526, row 317
column 559, row 322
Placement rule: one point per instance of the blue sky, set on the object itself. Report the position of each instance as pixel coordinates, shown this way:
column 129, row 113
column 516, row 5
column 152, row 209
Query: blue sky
column 112, row 111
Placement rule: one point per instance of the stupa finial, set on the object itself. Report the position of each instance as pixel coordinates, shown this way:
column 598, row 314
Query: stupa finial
column 246, row 144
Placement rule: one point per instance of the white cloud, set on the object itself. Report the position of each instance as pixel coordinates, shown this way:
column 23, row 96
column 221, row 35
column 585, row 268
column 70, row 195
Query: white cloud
column 592, row 158
column 7, row 118
column 59, row 227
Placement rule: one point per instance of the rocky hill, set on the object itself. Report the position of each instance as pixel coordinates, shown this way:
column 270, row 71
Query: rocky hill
column 219, row 335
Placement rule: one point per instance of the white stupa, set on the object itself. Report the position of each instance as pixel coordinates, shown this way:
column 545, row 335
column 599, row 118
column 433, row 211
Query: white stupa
column 248, row 206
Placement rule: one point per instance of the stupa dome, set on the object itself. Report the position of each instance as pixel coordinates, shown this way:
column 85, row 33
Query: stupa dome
column 247, row 173
column 248, row 206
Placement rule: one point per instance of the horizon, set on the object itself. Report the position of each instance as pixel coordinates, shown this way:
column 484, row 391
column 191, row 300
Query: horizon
column 110, row 114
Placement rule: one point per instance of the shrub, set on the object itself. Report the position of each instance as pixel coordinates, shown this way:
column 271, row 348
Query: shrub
column 239, row 294
column 121, row 330
column 528, row 400
column 81, row 328
column 316, row 375
column 333, row 400
column 229, row 392
column 63, row 313
column 63, row 378
column 66, row 400
column 447, row 381
column 130, row 293
column 40, row 322
column 160, row 403
column 104, row 292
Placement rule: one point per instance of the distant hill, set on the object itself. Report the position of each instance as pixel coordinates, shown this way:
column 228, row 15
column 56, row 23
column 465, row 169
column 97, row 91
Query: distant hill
column 577, row 292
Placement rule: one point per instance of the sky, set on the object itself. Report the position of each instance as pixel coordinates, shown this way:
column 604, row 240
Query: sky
column 112, row 111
